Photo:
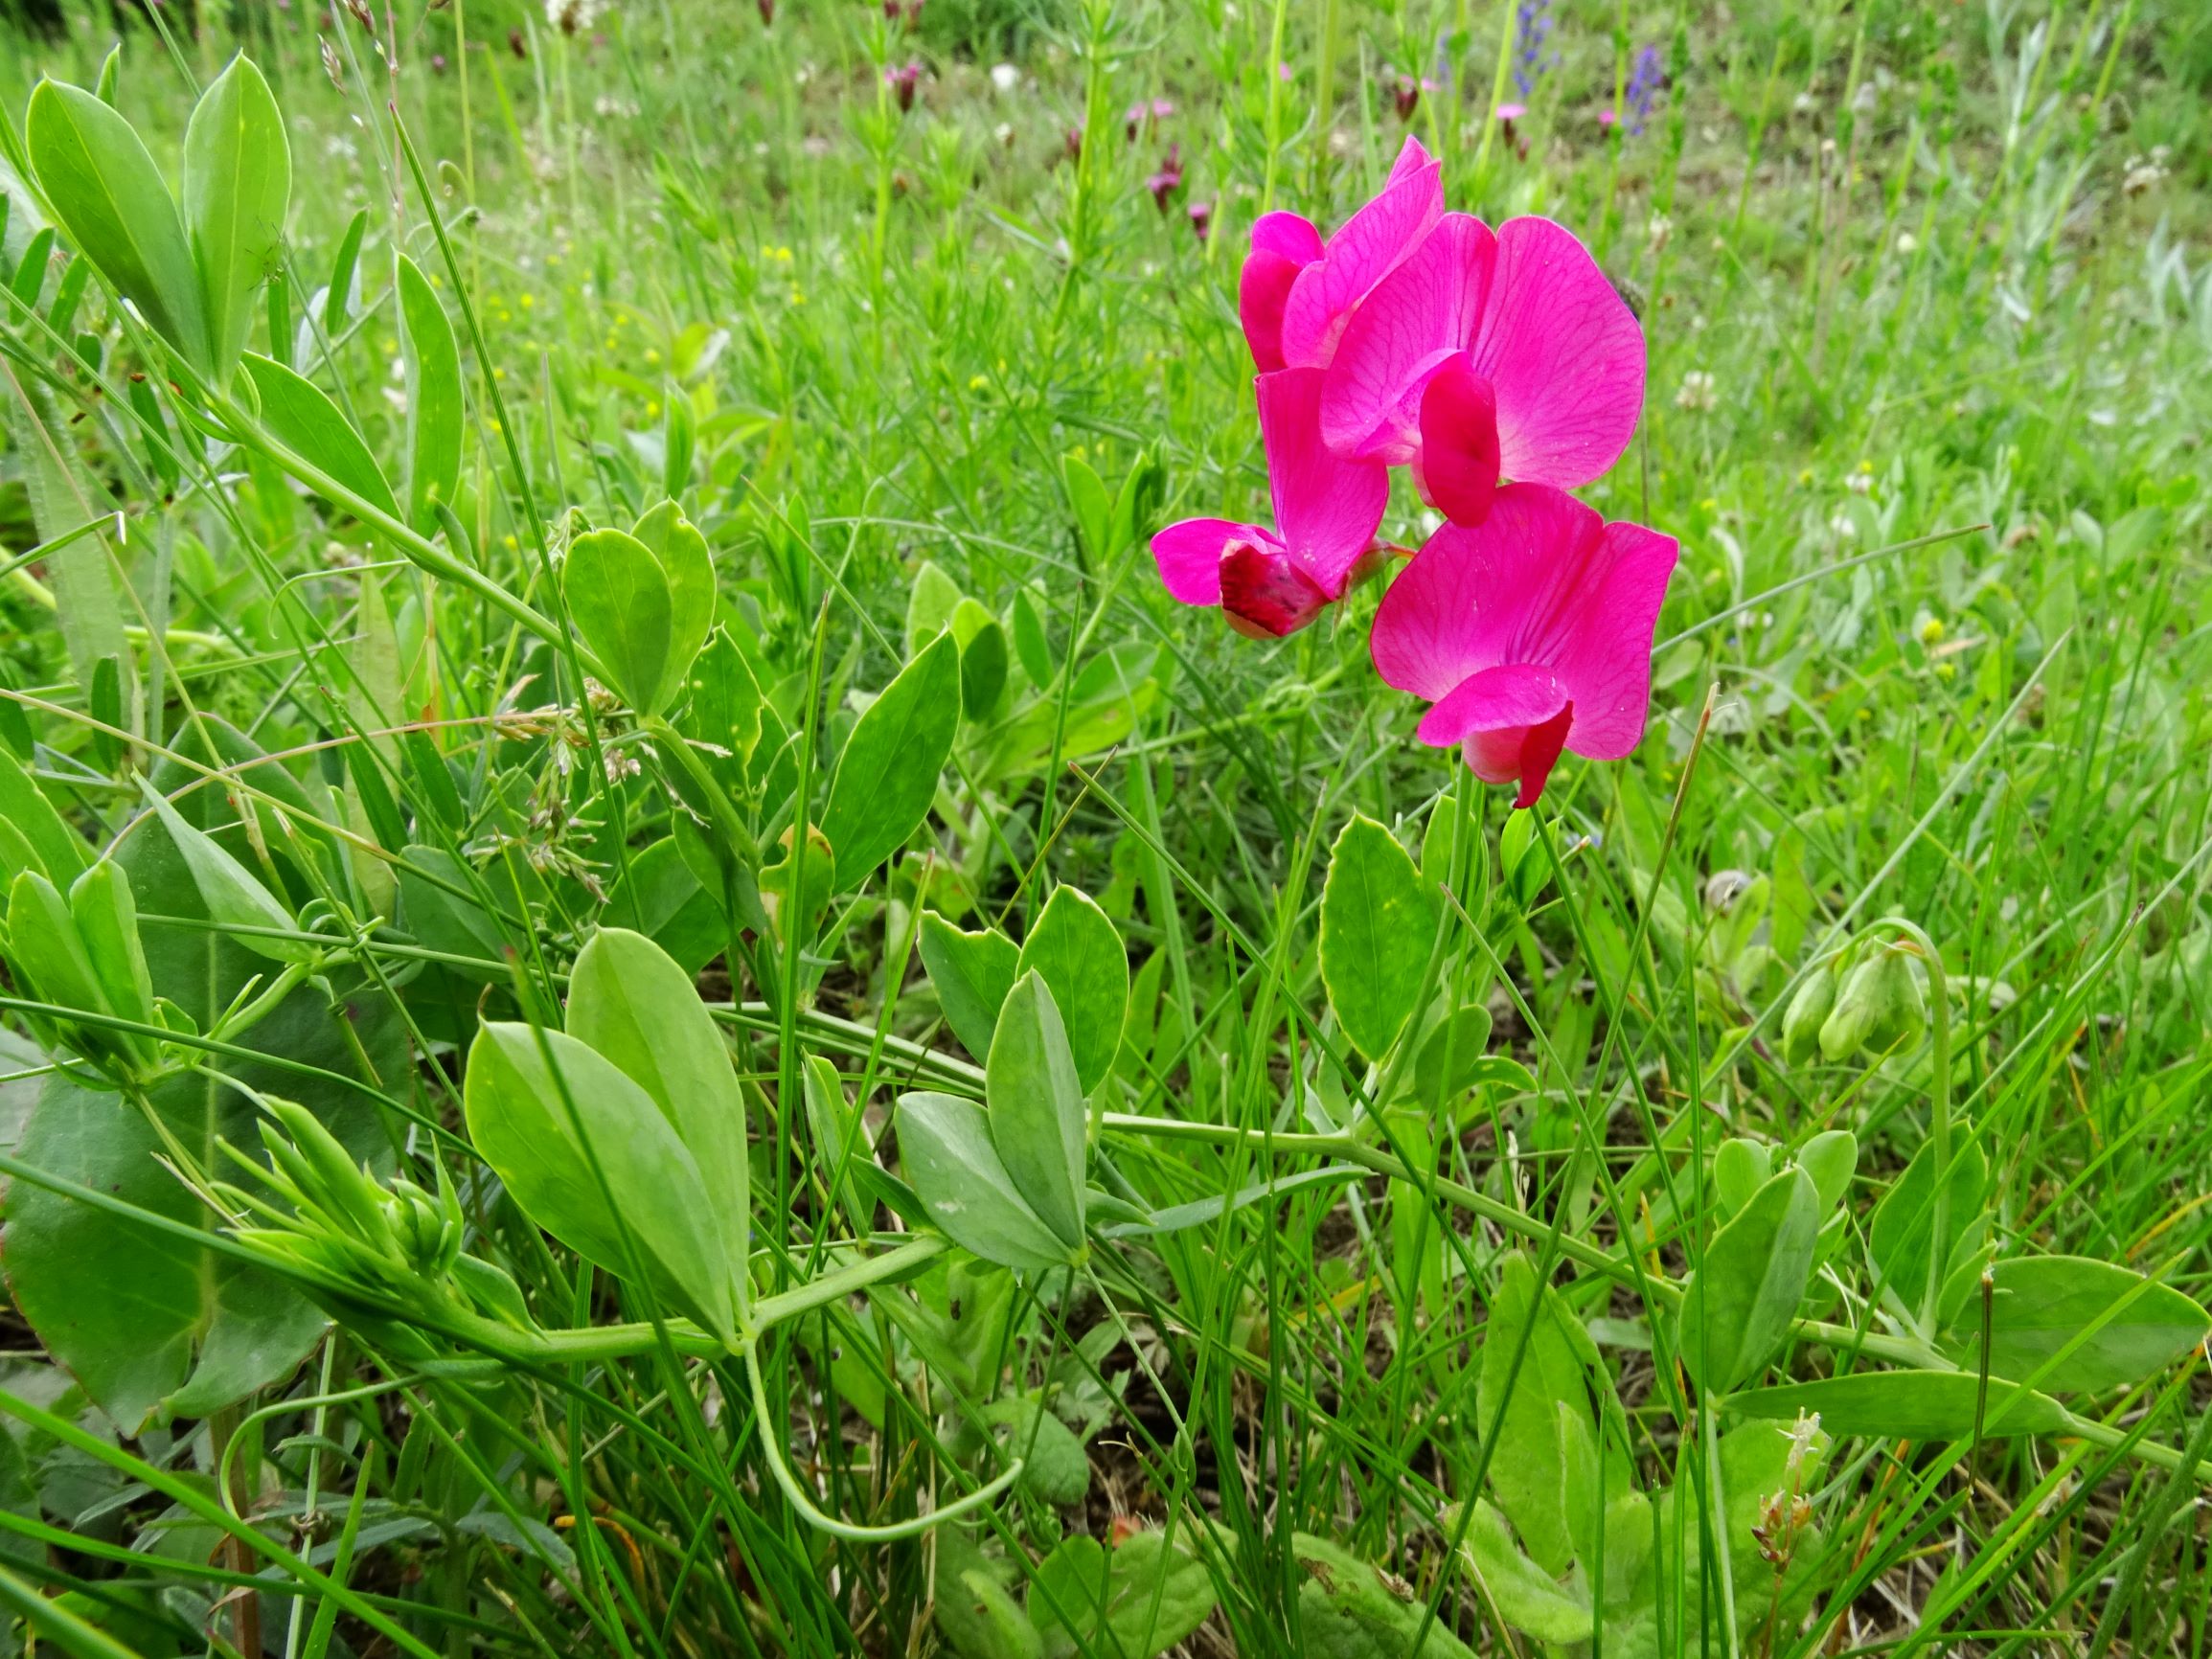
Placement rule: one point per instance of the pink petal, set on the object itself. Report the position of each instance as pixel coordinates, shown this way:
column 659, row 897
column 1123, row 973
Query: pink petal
column 1412, row 157
column 1292, row 236
column 1265, row 595
column 1189, row 553
column 1506, row 699
column 1566, row 353
column 1326, row 508
column 1425, row 309
column 1480, row 598
column 1457, row 468
column 1367, row 247
column 1606, row 663
column 1262, row 288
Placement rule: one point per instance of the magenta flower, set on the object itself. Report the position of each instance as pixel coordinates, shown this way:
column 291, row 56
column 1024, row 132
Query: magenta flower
column 1273, row 583
column 1297, row 292
column 903, row 80
column 1164, row 183
column 1201, row 213
column 1529, row 634
column 1484, row 354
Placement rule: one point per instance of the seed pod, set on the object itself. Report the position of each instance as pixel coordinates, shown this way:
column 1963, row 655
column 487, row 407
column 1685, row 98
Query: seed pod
column 337, row 1184
column 1808, row 1010
column 106, row 917
column 1896, row 1011
column 1843, row 1033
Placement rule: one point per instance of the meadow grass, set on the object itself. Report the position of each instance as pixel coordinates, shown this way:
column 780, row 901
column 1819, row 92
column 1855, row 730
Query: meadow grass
column 1928, row 305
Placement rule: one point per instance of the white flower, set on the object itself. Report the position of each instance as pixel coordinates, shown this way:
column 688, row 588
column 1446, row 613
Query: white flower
column 1004, row 133
column 1696, row 390
column 574, row 16
column 1005, row 78
column 1843, row 526
column 1656, row 230
column 1907, row 241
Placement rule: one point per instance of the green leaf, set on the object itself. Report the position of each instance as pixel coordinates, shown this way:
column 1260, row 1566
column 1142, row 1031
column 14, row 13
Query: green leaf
column 1377, row 922
column 1739, row 1303
column 234, row 896
column 634, row 1004
column 1832, row 1159
column 1137, row 1600
column 983, row 658
column 308, row 423
column 930, row 605
column 62, row 855
column 618, row 596
column 1898, row 1242
column 1451, row 1057
column 110, row 197
column 1527, row 1598
column 976, row 1615
column 524, row 1129
column 237, row 182
column 435, row 411
column 85, row 576
column 1074, row 949
column 1908, row 1405
column 106, row 911
column 945, row 1148
column 971, row 973
column 843, row 1147
column 1094, row 509
column 1351, row 1609
column 1030, row 643
column 724, row 708
column 2130, row 1328
column 660, row 896
column 689, row 568
column 1035, row 1107
column 1528, row 1467
column 1054, row 1465
column 1739, row 1169
column 888, row 772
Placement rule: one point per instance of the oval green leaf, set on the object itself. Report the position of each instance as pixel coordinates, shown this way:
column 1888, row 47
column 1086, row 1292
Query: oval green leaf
column 2067, row 1323
column 1377, row 921
column 945, row 1147
column 1909, row 1405
column 1035, row 1107
column 1078, row 953
column 435, row 412
column 971, row 973
column 237, row 182
column 1741, row 1300
column 308, row 423
column 887, row 774
column 618, row 596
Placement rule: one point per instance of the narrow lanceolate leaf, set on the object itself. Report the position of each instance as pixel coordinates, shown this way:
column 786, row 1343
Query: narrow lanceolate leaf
column 1074, row 949
column 110, row 197
column 2065, row 1322
column 971, row 973
column 629, row 1001
column 1036, row 1102
column 232, row 893
column 435, row 414
column 1377, row 921
column 61, row 854
column 888, row 771
column 308, row 423
column 951, row 1161
column 1939, row 1405
column 1746, row 1291
column 238, row 181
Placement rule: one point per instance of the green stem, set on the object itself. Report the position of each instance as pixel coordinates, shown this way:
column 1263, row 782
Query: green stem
column 1939, row 1109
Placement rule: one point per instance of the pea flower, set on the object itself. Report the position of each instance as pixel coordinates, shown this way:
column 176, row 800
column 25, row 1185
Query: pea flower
column 1271, row 583
column 1297, row 292
column 1529, row 634
column 1483, row 353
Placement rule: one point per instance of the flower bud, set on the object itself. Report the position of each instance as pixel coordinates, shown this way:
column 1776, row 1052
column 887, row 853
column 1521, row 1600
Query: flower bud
column 426, row 1234
column 1808, row 1010
column 1879, row 1007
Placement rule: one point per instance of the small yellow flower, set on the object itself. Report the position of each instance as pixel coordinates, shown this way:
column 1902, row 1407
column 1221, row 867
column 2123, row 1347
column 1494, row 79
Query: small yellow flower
column 651, row 355
column 509, row 540
column 622, row 319
column 1709, row 504
column 498, row 373
column 1932, row 631
column 797, row 297
column 652, row 409
column 1866, row 466
column 1947, row 670
column 977, row 382
column 528, row 301
column 1805, row 476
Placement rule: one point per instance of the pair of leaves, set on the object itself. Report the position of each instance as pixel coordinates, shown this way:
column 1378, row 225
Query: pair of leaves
column 190, row 275
column 1739, row 1302
column 936, row 607
column 1075, row 949
column 1378, row 925
column 642, row 602
column 625, row 1135
column 1006, row 1180
column 1545, row 1468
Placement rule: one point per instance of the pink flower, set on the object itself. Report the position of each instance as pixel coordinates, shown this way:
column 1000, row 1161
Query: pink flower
column 1529, row 634
column 903, row 80
column 1273, row 583
column 1164, row 183
column 1484, row 354
column 1202, row 218
column 1297, row 293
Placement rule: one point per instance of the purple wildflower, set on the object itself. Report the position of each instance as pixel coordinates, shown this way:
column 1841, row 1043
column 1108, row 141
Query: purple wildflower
column 903, row 81
column 1164, row 183
column 1202, row 218
column 1647, row 79
column 1532, row 54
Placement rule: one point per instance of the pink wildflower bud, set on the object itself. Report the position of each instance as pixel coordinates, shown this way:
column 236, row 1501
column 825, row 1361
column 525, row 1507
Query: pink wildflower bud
column 1074, row 142
column 1202, row 218
column 903, row 81
column 1164, row 183
column 767, row 12
column 1407, row 94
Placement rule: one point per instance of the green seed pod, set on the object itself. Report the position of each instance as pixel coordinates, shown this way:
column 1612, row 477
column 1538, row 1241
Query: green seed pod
column 1809, row 1012
column 346, row 1194
column 48, row 949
